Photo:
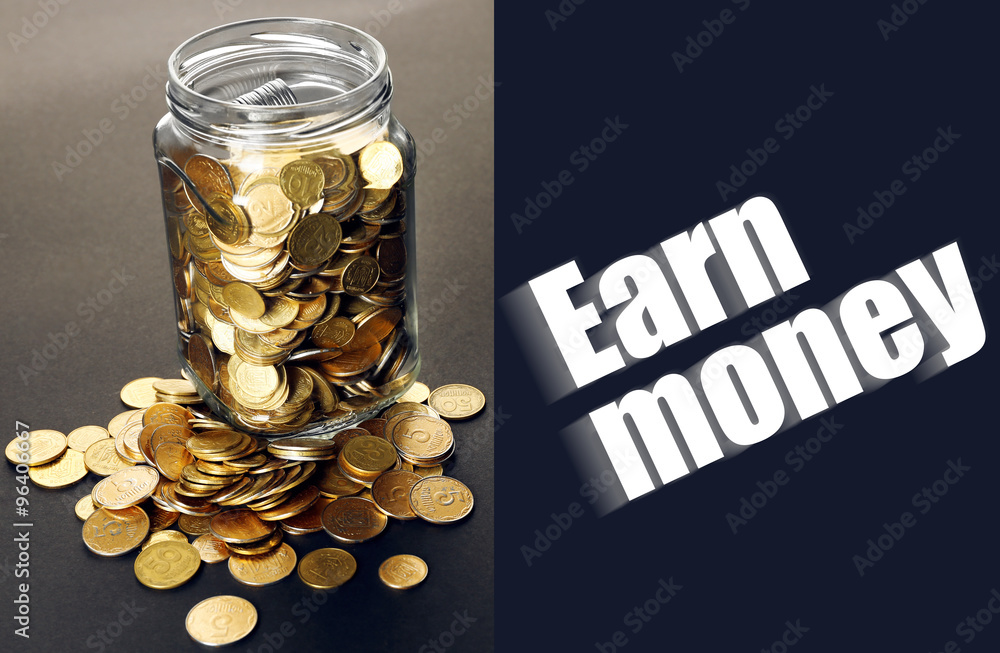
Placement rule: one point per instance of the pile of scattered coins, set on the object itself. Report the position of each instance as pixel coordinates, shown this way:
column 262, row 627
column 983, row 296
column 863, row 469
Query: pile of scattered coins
column 167, row 462
column 290, row 277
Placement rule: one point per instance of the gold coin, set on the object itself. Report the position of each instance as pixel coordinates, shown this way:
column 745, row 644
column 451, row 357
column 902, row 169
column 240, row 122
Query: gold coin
column 265, row 568
column 218, row 469
column 408, row 407
column 231, row 491
column 375, row 426
column 224, row 337
column 102, row 459
column 302, row 182
column 244, row 298
column 213, row 442
column 332, row 482
column 377, row 325
column 301, row 445
column 127, row 487
column 61, row 472
column 310, row 312
column 374, row 197
column 164, row 536
column 391, row 256
column 194, row 524
column 39, row 447
column 221, row 620
column 391, row 493
column 85, row 507
column 201, row 358
column 191, row 475
column 269, row 209
column 291, row 506
column 159, row 518
column 258, row 380
column 167, row 564
column 208, row 175
column 258, row 483
column 210, row 548
column 163, row 413
column 183, row 504
column 353, row 520
column 403, row 571
column 456, row 401
column 280, row 313
column 314, row 239
column 85, row 436
column 335, row 169
column 115, row 532
column 309, row 521
column 240, row 526
column 440, row 499
column 417, row 393
column 171, row 458
column 258, row 547
column 324, row 569
column 175, row 387
column 421, row 437
column 360, row 275
column 381, row 164
column 140, row 393
column 337, row 332
column 368, row 454
column 121, row 419
column 164, row 433
column 294, row 476
column 127, row 442
column 352, row 363
column 231, row 227
column 424, row 472
column 258, row 176
column 343, row 437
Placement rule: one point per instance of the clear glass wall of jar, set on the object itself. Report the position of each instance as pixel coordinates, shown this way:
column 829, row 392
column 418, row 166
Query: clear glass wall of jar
column 288, row 195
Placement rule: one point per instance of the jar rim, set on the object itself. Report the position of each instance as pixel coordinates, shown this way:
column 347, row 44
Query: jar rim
column 301, row 37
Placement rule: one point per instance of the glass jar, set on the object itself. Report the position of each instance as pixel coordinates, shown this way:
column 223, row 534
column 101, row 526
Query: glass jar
column 288, row 195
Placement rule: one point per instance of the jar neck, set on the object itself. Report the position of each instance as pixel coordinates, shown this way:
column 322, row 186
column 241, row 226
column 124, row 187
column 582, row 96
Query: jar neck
column 338, row 77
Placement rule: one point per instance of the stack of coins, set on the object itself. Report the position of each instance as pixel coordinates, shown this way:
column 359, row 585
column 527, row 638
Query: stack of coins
column 176, row 391
column 239, row 496
column 422, row 440
column 291, row 283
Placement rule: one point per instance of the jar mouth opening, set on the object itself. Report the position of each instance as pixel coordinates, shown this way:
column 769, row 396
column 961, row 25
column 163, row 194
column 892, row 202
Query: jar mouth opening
column 335, row 73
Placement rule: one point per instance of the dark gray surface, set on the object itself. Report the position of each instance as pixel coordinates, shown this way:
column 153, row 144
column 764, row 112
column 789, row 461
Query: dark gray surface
column 64, row 240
